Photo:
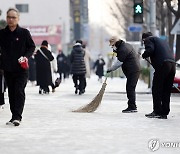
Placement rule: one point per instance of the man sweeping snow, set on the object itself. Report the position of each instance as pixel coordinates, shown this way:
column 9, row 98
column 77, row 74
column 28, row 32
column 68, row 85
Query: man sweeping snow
column 128, row 60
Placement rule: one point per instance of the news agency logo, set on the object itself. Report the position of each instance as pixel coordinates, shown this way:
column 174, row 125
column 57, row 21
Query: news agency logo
column 155, row 144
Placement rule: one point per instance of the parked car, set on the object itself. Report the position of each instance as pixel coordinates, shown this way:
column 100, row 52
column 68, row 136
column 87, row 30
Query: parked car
column 176, row 80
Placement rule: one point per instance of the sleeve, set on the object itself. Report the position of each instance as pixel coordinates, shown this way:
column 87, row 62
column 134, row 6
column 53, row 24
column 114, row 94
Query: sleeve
column 115, row 66
column 149, row 48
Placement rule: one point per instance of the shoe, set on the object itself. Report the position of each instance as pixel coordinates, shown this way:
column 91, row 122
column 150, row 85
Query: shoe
column 76, row 90
column 162, row 117
column 9, row 122
column 129, row 110
column 53, row 90
column 153, row 115
column 40, row 91
column 2, row 107
column 13, row 122
column 16, row 122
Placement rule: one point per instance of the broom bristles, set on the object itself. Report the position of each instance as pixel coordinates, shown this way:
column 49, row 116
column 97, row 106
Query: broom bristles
column 94, row 104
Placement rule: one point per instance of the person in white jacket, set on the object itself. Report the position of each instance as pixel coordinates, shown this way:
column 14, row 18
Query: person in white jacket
column 53, row 69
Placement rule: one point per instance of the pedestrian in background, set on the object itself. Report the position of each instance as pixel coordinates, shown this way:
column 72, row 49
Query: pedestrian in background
column 16, row 47
column 99, row 67
column 43, row 58
column 128, row 60
column 78, row 68
column 62, row 65
column 32, row 70
column 163, row 62
column 53, row 68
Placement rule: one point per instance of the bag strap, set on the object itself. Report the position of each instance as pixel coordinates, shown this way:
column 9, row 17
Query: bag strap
column 44, row 54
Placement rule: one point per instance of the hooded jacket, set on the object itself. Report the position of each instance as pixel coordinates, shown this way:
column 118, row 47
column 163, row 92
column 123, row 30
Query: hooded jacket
column 77, row 60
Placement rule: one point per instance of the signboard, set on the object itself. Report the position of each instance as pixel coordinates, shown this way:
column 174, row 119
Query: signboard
column 135, row 28
column 50, row 33
column 176, row 28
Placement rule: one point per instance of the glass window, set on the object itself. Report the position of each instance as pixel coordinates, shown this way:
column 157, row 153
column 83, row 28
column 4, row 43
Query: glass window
column 24, row 8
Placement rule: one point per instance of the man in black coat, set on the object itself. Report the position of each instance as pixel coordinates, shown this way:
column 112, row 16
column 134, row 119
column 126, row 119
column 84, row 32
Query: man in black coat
column 163, row 62
column 78, row 68
column 128, row 59
column 16, row 47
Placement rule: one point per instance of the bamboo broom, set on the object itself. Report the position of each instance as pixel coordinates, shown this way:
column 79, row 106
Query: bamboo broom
column 94, row 104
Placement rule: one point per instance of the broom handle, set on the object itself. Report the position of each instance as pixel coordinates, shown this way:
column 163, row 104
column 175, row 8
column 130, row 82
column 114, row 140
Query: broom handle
column 107, row 73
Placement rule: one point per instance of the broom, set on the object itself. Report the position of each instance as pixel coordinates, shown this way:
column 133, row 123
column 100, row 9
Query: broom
column 94, row 104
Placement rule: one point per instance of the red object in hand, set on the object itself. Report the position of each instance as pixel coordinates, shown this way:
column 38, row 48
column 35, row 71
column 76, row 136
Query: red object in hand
column 23, row 61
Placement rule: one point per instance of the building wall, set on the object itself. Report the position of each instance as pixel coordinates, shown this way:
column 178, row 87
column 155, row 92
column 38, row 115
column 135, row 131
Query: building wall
column 43, row 13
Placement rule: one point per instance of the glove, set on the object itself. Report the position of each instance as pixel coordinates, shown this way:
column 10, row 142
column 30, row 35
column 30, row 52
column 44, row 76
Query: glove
column 108, row 71
column 143, row 56
column 23, row 61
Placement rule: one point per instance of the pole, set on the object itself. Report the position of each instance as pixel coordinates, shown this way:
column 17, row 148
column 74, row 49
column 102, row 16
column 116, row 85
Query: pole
column 153, row 30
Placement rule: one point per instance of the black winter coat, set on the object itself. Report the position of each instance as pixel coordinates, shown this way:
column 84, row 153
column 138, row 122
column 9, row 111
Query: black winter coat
column 43, row 67
column 158, row 50
column 14, row 45
column 62, row 63
column 99, row 65
column 77, row 60
column 127, row 55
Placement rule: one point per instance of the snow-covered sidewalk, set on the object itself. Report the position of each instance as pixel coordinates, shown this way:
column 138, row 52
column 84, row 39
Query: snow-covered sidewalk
column 49, row 126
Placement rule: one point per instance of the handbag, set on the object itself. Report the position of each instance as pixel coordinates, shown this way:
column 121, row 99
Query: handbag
column 57, row 82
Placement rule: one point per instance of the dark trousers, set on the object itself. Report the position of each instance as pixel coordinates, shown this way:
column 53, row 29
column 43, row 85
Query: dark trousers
column 161, row 89
column 131, row 83
column 79, row 81
column 16, row 83
column 2, row 102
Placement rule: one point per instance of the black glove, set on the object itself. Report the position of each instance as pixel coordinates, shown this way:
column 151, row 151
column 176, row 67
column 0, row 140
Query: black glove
column 144, row 56
column 108, row 70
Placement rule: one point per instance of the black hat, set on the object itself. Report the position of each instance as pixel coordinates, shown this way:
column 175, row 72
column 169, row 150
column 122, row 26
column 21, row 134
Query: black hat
column 145, row 35
column 45, row 43
column 79, row 41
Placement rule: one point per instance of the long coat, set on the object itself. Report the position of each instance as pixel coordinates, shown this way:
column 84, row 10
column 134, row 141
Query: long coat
column 99, row 65
column 43, row 67
column 77, row 60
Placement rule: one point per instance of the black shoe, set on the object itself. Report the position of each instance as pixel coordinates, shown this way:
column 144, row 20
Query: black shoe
column 76, row 90
column 129, row 110
column 13, row 122
column 9, row 122
column 40, row 91
column 162, row 117
column 80, row 92
column 16, row 122
column 152, row 115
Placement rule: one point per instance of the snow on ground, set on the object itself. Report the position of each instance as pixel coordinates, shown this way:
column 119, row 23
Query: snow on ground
column 49, row 126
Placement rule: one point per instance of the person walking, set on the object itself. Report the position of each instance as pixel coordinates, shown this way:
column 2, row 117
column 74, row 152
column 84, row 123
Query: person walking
column 99, row 67
column 78, row 68
column 128, row 60
column 43, row 58
column 62, row 65
column 163, row 62
column 16, row 47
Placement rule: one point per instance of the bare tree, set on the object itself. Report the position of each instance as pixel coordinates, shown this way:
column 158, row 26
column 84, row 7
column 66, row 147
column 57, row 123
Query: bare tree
column 122, row 12
column 177, row 17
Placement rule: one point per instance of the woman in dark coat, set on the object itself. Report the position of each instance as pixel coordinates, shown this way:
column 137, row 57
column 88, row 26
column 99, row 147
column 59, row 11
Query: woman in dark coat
column 43, row 67
column 99, row 66
column 78, row 68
